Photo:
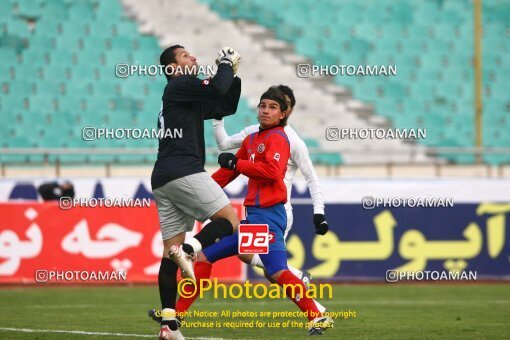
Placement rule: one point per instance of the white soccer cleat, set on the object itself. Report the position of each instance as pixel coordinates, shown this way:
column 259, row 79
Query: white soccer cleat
column 319, row 325
column 165, row 333
column 184, row 261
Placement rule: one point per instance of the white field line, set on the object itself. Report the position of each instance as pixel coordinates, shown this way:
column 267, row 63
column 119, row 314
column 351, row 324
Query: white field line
column 27, row 330
column 325, row 301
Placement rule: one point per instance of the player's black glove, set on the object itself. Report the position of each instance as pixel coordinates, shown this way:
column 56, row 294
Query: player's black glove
column 321, row 225
column 227, row 160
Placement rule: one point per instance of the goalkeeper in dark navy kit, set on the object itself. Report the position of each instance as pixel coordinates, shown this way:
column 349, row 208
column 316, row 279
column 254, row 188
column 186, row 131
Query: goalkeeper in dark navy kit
column 183, row 190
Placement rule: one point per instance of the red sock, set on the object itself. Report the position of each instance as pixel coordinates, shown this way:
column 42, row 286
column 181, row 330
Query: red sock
column 202, row 271
column 304, row 303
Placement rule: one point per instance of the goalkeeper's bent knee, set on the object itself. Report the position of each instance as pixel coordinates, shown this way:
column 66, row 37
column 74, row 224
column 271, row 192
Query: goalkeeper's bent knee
column 210, row 234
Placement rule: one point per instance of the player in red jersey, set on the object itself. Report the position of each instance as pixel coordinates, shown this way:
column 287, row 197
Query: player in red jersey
column 263, row 158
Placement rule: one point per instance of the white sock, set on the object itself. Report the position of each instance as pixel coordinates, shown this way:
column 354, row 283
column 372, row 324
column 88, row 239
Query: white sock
column 256, row 261
column 298, row 273
column 195, row 244
column 168, row 314
column 320, row 307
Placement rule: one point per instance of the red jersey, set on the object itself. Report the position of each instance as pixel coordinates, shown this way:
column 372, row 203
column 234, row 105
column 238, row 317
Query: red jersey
column 263, row 158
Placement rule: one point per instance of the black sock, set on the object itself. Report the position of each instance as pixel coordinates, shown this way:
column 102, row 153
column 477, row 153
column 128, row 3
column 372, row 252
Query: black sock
column 172, row 324
column 212, row 232
column 167, row 280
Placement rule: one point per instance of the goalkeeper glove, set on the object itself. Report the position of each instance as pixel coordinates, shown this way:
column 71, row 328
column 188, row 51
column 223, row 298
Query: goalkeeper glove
column 227, row 160
column 228, row 55
column 321, row 225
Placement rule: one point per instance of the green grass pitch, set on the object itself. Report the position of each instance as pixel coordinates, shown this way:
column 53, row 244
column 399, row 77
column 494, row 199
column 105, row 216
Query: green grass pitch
column 395, row 311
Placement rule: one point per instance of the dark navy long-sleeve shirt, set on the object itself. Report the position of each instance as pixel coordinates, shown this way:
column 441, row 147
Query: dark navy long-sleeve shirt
column 187, row 102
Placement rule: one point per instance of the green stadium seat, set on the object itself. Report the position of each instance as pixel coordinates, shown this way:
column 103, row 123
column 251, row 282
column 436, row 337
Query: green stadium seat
column 288, row 32
column 43, row 102
column 14, row 101
column 19, row 140
column 45, row 27
column 145, row 57
column 90, row 55
column 52, row 71
column 125, row 29
column 12, row 42
column 5, row 7
column 81, row 12
column 310, row 142
column 8, row 55
column 99, row 105
column 146, row 43
column 120, row 43
column 117, row 56
column 101, row 159
column 78, row 88
column 110, row 89
column 30, row 8
column 101, row 28
column 13, row 158
column 55, row 10
column 332, row 159
column 41, row 43
column 134, row 159
column 77, row 159
column 19, row 28
column 71, row 29
column 92, row 42
column 20, row 88
column 133, row 87
column 110, row 7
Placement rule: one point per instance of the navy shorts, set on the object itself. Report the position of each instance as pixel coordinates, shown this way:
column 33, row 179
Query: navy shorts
column 276, row 260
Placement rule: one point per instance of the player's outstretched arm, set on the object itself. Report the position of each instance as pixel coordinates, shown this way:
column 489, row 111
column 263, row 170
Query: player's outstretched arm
column 190, row 88
column 226, row 105
column 301, row 156
column 226, row 142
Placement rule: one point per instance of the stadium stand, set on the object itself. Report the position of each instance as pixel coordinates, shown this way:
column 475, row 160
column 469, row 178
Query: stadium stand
column 58, row 76
column 431, row 42
column 61, row 74
column 201, row 31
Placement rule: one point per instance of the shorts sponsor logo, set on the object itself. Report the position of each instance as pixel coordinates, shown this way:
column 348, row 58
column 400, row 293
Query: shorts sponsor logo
column 253, row 239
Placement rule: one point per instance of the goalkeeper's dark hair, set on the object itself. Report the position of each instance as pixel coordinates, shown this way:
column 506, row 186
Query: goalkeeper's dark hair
column 274, row 93
column 289, row 93
column 168, row 57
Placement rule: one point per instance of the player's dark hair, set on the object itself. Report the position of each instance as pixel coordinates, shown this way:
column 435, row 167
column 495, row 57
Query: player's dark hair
column 289, row 93
column 168, row 57
column 278, row 96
